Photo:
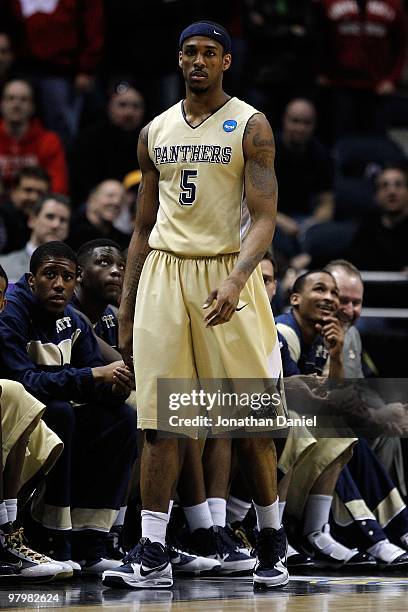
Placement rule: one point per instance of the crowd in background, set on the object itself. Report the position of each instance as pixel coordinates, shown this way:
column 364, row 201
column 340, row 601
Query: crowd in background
column 80, row 78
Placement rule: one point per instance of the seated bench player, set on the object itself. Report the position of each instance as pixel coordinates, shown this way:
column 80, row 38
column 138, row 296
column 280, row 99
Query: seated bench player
column 53, row 352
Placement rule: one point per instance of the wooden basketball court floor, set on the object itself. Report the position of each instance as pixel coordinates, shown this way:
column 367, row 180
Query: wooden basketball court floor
column 320, row 593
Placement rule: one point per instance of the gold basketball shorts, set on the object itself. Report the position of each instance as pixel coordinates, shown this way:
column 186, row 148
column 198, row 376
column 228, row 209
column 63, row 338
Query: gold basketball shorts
column 171, row 340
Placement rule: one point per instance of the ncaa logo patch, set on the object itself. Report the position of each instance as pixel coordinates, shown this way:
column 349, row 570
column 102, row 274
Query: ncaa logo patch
column 229, row 125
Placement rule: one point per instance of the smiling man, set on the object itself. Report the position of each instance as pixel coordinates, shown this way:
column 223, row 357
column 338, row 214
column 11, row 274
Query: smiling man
column 53, row 352
column 103, row 207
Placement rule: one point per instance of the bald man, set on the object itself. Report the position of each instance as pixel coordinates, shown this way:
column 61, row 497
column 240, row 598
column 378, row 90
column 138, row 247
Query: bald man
column 305, row 177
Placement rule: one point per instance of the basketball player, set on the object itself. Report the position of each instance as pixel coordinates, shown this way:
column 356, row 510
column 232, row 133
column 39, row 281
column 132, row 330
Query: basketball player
column 198, row 159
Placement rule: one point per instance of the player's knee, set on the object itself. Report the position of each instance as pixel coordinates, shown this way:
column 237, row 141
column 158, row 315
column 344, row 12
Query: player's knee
column 60, row 417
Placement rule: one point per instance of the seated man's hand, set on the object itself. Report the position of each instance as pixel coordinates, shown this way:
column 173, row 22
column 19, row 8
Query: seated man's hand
column 104, row 374
column 123, row 381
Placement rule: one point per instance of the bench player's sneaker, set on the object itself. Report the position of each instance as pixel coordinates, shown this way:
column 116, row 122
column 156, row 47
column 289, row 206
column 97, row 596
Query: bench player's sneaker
column 328, row 552
column 271, row 549
column 32, row 565
column 187, row 563
column 147, row 566
column 216, row 543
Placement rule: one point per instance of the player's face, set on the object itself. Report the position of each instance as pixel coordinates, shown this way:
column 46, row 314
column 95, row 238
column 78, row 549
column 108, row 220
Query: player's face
column 392, row 191
column 3, row 300
column 203, row 63
column 54, row 283
column 350, row 294
column 318, row 299
column 102, row 276
column 268, row 278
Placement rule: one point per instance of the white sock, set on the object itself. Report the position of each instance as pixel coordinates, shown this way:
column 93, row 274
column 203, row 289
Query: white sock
column 11, row 505
column 154, row 525
column 281, row 510
column 268, row 516
column 317, row 512
column 3, row 514
column 385, row 551
column 218, row 509
column 199, row 516
column 237, row 509
column 171, row 502
column 120, row 519
column 404, row 540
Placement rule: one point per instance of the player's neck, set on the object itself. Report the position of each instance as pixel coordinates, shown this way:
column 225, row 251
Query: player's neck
column 198, row 107
column 92, row 309
column 307, row 328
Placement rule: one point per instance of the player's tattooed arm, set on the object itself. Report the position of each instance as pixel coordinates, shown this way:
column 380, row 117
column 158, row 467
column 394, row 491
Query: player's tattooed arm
column 147, row 206
column 261, row 193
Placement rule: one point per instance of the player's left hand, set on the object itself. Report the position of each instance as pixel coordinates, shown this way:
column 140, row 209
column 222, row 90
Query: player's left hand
column 333, row 334
column 226, row 299
column 123, row 381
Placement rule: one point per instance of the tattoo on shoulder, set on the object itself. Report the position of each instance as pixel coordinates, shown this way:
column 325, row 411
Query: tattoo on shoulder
column 251, row 125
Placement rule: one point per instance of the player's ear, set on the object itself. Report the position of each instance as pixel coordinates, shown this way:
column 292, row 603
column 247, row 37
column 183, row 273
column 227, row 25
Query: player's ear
column 294, row 299
column 226, row 60
column 80, row 274
column 31, row 280
column 3, row 305
column 180, row 57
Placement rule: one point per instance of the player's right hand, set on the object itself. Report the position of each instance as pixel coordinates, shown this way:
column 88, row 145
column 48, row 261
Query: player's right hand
column 226, row 299
column 126, row 340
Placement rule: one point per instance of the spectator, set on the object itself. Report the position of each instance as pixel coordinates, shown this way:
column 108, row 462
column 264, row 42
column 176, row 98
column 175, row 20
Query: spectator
column 60, row 43
column 381, row 241
column 6, row 57
column 126, row 219
column 108, row 149
column 24, row 141
column 361, row 56
column 49, row 220
column 280, row 41
column 388, row 450
column 32, row 182
column 103, row 207
column 305, row 178
column 54, row 354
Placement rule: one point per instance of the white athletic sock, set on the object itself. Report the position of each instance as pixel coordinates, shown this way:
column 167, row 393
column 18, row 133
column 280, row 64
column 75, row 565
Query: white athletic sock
column 199, row 516
column 171, row 502
column 404, row 540
column 154, row 525
column 218, row 509
column 120, row 519
column 385, row 551
column 268, row 516
column 237, row 509
column 3, row 514
column 317, row 512
column 11, row 505
column 281, row 509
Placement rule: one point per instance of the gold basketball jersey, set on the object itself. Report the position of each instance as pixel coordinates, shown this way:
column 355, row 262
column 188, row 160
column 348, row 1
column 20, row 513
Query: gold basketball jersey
column 201, row 185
